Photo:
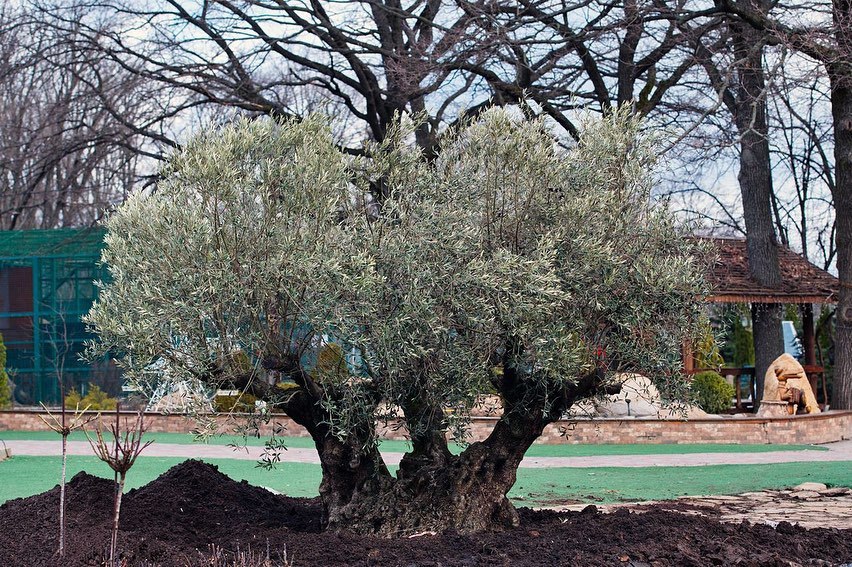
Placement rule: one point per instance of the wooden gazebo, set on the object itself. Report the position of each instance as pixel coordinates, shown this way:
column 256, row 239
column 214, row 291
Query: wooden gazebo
column 801, row 283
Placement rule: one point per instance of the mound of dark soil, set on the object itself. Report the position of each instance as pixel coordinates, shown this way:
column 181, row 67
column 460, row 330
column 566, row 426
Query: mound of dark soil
column 195, row 504
column 175, row 519
column 29, row 527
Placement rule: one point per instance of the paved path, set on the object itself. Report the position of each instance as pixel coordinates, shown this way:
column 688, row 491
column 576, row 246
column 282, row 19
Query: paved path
column 840, row 451
column 830, row 509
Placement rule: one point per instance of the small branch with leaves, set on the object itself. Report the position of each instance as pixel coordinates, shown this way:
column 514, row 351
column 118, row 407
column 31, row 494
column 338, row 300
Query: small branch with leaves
column 79, row 420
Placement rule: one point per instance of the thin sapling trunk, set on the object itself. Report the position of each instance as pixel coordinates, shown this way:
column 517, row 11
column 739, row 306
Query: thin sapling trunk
column 62, row 490
column 64, row 429
column 120, row 455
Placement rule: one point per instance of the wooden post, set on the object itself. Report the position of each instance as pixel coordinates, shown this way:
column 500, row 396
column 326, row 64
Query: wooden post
column 809, row 341
column 808, row 338
column 738, row 389
column 688, row 357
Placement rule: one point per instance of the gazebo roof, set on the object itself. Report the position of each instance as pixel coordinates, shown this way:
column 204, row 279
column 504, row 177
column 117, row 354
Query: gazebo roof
column 801, row 281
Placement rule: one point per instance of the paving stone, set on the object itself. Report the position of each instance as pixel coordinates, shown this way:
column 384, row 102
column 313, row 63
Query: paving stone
column 806, row 495
column 837, row 491
column 767, row 507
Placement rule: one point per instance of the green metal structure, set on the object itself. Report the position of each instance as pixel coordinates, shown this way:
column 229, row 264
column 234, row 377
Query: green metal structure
column 47, row 283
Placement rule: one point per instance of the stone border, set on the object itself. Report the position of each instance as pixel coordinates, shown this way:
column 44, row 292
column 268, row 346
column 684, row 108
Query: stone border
column 835, row 425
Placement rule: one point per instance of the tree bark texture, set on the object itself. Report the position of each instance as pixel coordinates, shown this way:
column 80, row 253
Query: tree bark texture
column 434, row 490
column 755, row 178
column 808, row 334
column 768, row 340
column 465, row 492
column 840, row 75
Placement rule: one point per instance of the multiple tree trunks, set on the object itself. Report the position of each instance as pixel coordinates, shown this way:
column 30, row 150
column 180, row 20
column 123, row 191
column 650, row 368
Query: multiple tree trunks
column 835, row 56
column 434, row 490
column 467, row 494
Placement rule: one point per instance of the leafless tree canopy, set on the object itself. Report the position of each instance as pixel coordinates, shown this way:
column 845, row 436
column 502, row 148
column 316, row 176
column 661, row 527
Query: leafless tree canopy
column 366, row 61
column 363, row 62
column 70, row 145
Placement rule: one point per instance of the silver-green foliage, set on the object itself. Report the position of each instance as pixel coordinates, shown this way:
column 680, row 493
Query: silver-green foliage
column 259, row 241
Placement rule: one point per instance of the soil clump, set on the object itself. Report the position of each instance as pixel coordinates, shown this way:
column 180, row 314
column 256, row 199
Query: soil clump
column 175, row 519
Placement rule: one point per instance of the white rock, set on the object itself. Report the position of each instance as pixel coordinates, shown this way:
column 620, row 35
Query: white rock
column 644, row 402
column 811, row 486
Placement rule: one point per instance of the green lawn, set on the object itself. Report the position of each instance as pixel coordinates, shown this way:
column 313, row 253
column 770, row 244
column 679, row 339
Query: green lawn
column 563, row 450
column 23, row 476
column 614, row 484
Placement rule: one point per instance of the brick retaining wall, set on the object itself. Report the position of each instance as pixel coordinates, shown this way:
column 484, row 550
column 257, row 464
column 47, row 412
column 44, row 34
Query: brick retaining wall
column 801, row 429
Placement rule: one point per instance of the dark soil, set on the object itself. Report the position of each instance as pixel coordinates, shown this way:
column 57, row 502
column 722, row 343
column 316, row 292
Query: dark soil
column 175, row 519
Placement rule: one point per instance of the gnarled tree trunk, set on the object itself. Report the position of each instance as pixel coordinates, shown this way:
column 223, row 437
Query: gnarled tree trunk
column 466, row 493
column 434, row 490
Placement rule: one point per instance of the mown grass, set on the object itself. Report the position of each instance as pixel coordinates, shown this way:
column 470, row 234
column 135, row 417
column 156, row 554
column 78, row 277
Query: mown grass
column 23, row 476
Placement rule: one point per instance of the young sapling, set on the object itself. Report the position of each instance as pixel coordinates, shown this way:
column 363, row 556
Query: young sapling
column 119, row 455
column 61, row 426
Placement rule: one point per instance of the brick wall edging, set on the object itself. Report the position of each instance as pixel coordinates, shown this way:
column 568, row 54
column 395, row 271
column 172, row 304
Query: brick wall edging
column 831, row 426
column 832, row 414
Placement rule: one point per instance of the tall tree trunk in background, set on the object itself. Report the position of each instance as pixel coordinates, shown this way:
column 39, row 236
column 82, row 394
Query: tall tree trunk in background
column 840, row 74
column 755, row 179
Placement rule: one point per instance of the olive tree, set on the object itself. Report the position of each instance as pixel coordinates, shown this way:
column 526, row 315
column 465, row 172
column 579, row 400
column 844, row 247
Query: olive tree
column 504, row 265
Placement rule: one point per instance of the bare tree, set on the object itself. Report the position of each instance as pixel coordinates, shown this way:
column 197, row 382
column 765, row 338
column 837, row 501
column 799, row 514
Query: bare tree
column 733, row 60
column 823, row 32
column 802, row 146
column 370, row 60
column 120, row 455
column 66, row 149
column 598, row 55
